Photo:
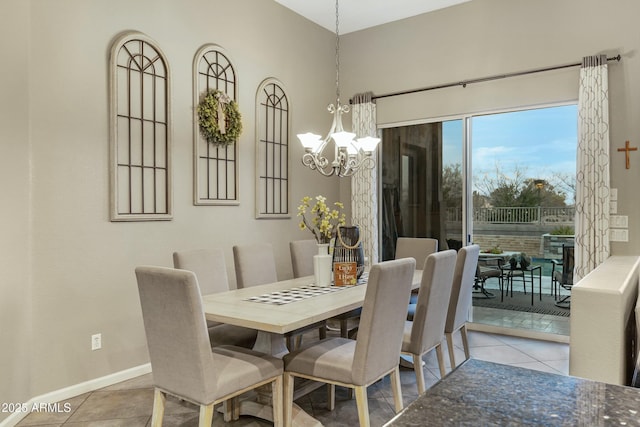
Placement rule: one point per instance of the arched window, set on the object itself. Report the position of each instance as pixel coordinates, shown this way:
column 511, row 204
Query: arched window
column 215, row 166
column 140, row 130
column 272, row 150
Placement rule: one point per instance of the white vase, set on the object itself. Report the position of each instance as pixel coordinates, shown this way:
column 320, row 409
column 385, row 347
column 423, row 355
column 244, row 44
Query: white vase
column 322, row 265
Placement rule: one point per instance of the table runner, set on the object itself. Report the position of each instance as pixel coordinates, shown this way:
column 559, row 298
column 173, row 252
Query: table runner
column 294, row 294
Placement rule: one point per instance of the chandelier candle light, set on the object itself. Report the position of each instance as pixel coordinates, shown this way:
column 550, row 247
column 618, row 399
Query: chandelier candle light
column 349, row 154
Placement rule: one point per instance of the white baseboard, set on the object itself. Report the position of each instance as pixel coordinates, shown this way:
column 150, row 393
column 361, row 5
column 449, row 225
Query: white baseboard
column 77, row 390
column 524, row 333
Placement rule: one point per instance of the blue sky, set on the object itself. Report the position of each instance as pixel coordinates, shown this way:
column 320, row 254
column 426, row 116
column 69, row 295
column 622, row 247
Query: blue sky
column 540, row 143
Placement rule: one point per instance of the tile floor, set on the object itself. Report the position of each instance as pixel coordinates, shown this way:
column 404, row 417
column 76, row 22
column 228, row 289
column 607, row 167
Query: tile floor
column 129, row 404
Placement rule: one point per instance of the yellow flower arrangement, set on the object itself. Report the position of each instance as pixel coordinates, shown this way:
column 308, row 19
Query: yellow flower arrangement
column 324, row 220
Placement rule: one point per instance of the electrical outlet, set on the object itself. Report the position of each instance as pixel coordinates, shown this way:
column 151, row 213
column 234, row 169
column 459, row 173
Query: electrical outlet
column 96, row 341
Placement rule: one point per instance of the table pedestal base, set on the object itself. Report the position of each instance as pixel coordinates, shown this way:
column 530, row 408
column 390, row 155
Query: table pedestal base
column 273, row 344
column 259, row 405
column 265, row 412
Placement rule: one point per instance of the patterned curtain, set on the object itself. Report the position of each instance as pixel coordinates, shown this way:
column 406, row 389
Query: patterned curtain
column 592, row 180
column 364, row 184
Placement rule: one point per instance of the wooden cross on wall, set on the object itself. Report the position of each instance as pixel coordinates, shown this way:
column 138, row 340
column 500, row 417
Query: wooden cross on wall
column 626, row 150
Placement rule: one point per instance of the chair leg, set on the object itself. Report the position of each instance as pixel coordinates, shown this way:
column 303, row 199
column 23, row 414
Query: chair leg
column 363, row 406
column 564, row 302
column 452, row 357
column 277, row 398
column 511, row 283
column 397, row 388
column 349, row 393
column 227, row 406
column 443, row 371
column 417, row 368
column 465, row 341
column 206, row 415
column 287, row 395
column 322, row 332
column 159, row 400
column 235, row 404
column 331, row 397
column 353, row 333
column 344, row 328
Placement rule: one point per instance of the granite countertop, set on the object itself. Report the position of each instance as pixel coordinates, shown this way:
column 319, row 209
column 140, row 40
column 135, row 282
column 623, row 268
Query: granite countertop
column 479, row 393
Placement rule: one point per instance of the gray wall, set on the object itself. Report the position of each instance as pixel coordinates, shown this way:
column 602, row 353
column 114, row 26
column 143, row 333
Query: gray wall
column 15, row 209
column 68, row 270
column 491, row 37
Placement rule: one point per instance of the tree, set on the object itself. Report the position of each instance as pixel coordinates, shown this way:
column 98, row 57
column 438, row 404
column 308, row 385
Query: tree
column 564, row 183
column 544, row 195
column 452, row 186
column 517, row 190
column 501, row 190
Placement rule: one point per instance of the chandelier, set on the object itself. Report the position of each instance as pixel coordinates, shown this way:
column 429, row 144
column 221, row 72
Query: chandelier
column 349, row 154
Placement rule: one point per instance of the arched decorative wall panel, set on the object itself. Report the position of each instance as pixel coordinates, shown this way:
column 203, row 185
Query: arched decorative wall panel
column 272, row 150
column 140, row 130
column 215, row 166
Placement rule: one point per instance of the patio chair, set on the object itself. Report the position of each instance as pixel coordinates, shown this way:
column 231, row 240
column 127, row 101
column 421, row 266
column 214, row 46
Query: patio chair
column 564, row 278
column 488, row 268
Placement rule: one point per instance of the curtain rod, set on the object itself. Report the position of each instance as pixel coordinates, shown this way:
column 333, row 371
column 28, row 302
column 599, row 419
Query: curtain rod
column 464, row 83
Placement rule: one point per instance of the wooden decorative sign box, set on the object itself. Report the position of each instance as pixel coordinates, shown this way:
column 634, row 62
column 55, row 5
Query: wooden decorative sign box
column 345, row 273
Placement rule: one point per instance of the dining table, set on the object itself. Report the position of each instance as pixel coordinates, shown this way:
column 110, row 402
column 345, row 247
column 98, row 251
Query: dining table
column 505, row 256
column 274, row 309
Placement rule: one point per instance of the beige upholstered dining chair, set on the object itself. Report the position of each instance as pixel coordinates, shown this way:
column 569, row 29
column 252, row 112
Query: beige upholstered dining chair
column 211, row 271
column 418, row 248
column 182, row 360
column 372, row 356
column 302, row 252
column 255, row 265
column 426, row 331
column 460, row 301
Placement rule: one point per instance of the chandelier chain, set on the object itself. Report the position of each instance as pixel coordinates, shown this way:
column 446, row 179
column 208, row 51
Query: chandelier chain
column 349, row 155
column 337, row 57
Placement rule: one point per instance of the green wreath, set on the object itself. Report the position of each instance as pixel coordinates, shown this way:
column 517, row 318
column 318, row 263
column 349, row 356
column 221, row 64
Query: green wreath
column 212, row 103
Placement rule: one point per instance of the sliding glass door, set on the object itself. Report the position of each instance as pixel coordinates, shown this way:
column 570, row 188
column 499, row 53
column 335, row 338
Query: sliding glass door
column 504, row 181
column 524, row 168
column 422, row 184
